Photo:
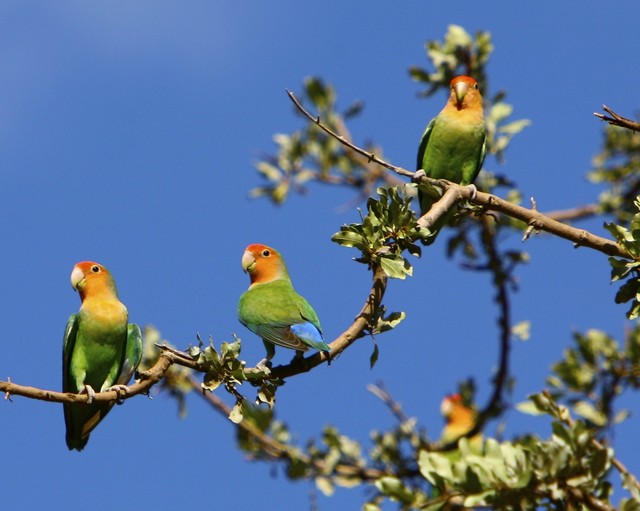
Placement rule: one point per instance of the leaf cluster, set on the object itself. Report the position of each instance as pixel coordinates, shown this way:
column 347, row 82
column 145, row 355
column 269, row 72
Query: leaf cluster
column 385, row 232
column 309, row 154
column 617, row 167
column 623, row 269
column 595, row 372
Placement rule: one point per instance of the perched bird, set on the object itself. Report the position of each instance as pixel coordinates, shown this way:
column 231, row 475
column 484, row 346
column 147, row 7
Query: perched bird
column 101, row 350
column 453, row 145
column 272, row 309
column 460, row 419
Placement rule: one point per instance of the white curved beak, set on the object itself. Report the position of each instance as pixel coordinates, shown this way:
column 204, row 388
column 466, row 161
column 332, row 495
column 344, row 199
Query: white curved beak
column 77, row 276
column 248, row 261
column 460, row 90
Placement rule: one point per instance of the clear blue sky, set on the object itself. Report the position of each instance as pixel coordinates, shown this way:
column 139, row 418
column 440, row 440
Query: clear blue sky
column 128, row 132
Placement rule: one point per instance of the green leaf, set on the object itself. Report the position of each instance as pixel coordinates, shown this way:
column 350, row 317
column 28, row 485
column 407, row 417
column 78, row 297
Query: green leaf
column 599, row 463
column 389, row 322
column 522, row 330
column 325, row 486
column 435, row 467
column 530, row 408
column 236, row 413
column 588, row 411
column 348, row 238
column 396, row 267
column 395, row 489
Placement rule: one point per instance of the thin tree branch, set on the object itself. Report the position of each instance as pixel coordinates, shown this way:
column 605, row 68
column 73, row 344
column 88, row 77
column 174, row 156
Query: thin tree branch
column 369, row 156
column 617, row 120
column 381, row 392
column 536, row 220
column 279, row 451
column 579, row 213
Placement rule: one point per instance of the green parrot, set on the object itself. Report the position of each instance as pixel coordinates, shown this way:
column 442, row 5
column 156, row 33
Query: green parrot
column 453, row 144
column 272, row 309
column 101, row 350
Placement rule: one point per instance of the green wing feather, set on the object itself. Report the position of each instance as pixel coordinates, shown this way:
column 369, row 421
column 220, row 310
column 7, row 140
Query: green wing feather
column 68, row 343
column 104, row 371
column 133, row 354
column 270, row 309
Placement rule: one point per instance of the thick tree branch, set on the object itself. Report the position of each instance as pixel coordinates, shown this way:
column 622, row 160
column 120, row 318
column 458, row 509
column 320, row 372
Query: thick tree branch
column 617, row 120
column 500, row 281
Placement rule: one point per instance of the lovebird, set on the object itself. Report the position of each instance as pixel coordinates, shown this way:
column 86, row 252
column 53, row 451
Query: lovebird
column 459, row 420
column 101, row 350
column 272, row 309
column 453, row 144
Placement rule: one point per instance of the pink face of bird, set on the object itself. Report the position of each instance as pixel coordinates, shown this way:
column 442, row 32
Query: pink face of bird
column 464, row 87
column 448, row 403
column 262, row 263
column 89, row 274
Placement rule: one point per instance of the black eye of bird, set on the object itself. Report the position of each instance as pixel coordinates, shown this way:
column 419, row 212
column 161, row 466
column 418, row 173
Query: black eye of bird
column 95, row 269
column 266, row 253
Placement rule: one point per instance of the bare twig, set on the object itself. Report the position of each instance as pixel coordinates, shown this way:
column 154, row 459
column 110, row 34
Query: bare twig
column 578, row 213
column 381, row 392
column 369, row 156
column 617, row 120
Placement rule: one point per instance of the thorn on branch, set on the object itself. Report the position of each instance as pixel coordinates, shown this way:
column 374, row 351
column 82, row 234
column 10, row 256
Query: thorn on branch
column 532, row 228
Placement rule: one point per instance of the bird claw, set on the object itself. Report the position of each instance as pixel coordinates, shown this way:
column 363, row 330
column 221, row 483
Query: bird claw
column 120, row 389
column 298, row 358
column 473, row 190
column 418, row 175
column 91, row 394
column 264, row 365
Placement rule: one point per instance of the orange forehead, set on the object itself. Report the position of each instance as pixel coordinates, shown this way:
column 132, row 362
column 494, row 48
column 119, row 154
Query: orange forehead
column 464, row 79
column 454, row 398
column 258, row 248
column 86, row 266
column 263, row 252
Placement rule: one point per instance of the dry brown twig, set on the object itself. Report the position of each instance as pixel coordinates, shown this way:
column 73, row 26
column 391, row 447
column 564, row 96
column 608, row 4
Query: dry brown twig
column 617, row 120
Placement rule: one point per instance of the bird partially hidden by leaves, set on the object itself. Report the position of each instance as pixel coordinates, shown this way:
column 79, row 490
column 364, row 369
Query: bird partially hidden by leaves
column 460, row 418
column 452, row 146
column 101, row 350
column 272, row 309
